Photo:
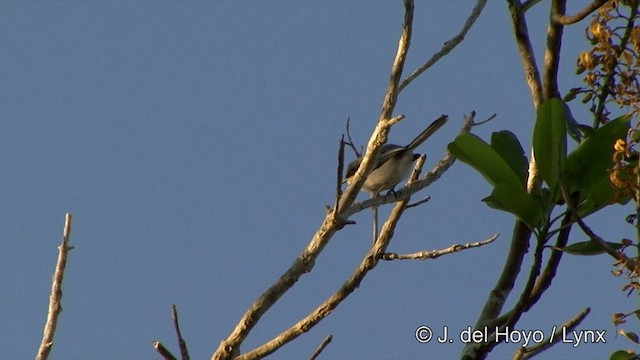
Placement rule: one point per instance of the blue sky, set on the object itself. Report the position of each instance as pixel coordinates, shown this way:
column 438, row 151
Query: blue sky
column 195, row 144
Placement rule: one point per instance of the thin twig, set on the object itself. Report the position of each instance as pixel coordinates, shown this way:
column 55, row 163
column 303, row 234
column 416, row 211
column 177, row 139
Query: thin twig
column 321, row 347
column 448, row 45
column 433, row 254
column 528, row 352
column 568, row 20
column 350, row 142
column 184, row 353
column 419, row 202
column 374, row 221
column 55, row 297
column 493, row 116
column 166, row 354
column 339, row 171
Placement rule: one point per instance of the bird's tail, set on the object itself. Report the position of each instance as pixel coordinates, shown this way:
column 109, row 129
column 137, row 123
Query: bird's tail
column 437, row 124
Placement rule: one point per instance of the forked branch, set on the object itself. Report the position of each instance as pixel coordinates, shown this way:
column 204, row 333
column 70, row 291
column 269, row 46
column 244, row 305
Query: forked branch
column 334, row 220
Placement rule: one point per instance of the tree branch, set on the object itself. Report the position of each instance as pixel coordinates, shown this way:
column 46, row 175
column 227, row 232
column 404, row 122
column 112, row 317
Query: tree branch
column 425, row 255
column 525, row 353
column 498, row 296
column 369, row 261
column 55, row 298
column 552, row 53
column 333, row 221
column 527, row 57
column 549, row 272
column 568, row 20
column 166, row 354
column 521, row 233
column 439, row 169
column 184, row 353
column 321, row 347
column 448, row 45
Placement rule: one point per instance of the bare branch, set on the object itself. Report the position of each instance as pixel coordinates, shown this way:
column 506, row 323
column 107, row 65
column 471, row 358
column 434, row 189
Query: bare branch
column 379, row 136
column 493, row 116
column 166, row 354
column 568, row 20
column 339, row 172
column 369, row 261
column 448, row 45
column 55, row 297
column 321, row 347
column 333, row 221
column 527, row 57
column 425, row 255
column 570, row 325
column 184, row 353
column 552, row 53
column 498, row 296
column 350, row 142
column 389, row 102
column 419, row 202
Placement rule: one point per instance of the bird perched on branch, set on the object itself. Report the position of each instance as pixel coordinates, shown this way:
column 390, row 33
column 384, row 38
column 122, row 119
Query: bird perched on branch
column 394, row 163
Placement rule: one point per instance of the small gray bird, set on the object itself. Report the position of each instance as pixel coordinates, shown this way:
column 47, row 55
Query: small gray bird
column 394, row 164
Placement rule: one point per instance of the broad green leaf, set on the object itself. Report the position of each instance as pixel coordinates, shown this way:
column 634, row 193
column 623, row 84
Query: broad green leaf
column 598, row 196
column 550, row 140
column 506, row 144
column 588, row 164
column 471, row 150
column 622, row 355
column 586, row 248
column 515, row 200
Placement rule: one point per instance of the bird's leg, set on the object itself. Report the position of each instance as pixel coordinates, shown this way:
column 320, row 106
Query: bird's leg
column 374, row 214
column 392, row 190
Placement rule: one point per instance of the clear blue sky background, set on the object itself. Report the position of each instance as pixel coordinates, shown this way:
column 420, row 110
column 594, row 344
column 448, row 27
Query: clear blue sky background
column 195, row 144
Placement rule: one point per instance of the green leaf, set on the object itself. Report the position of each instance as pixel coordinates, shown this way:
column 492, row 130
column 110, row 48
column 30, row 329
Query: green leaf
column 622, row 355
column 471, row 150
column 599, row 196
column 588, row 164
column 586, row 248
column 550, row 140
column 515, row 200
column 506, row 144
